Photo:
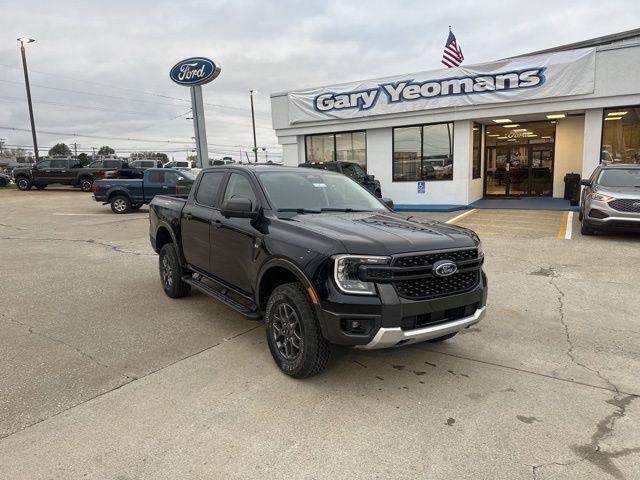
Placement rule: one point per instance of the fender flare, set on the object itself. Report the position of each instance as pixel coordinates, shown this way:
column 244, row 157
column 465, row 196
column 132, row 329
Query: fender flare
column 174, row 240
column 117, row 191
column 299, row 273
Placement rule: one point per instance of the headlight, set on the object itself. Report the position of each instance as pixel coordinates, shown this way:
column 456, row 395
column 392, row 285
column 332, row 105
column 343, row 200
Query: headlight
column 600, row 197
column 345, row 273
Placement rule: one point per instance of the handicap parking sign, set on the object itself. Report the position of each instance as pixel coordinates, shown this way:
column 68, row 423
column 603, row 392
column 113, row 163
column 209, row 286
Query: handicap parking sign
column 421, row 187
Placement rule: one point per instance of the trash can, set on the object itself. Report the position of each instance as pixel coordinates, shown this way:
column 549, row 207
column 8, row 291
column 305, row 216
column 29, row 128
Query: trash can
column 572, row 188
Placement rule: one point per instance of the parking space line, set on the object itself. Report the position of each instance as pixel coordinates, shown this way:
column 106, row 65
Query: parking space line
column 566, row 229
column 456, row 219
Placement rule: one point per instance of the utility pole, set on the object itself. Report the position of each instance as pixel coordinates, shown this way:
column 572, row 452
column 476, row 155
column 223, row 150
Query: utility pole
column 1, row 144
column 75, row 149
column 22, row 41
column 253, row 123
column 94, row 154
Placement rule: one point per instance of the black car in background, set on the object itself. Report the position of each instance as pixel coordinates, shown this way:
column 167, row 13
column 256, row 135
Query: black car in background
column 351, row 170
column 63, row 171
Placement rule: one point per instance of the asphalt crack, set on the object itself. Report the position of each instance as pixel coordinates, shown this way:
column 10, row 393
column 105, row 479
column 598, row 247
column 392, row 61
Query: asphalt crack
column 32, row 331
column 110, row 246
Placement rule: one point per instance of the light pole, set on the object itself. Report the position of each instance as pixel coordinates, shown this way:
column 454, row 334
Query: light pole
column 22, row 41
column 253, row 123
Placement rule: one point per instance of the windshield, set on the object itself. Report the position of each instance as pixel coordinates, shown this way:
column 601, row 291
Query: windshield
column 619, row 177
column 316, row 191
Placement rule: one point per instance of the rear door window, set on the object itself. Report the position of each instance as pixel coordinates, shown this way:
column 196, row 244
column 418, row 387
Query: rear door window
column 208, row 188
column 156, row 176
column 58, row 163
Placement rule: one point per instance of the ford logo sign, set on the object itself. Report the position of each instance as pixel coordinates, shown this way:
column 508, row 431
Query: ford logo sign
column 194, row 71
column 444, row 268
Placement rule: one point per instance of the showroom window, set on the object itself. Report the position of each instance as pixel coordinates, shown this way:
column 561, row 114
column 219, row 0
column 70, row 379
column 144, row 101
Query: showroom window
column 344, row 147
column 477, row 159
column 621, row 135
column 423, row 152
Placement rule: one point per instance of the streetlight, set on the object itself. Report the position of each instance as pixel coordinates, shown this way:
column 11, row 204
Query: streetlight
column 253, row 122
column 22, row 41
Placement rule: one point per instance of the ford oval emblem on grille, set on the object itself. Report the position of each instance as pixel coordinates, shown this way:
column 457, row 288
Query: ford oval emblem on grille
column 444, row 268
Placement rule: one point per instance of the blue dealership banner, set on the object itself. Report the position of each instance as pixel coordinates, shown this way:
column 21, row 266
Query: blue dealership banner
column 548, row 75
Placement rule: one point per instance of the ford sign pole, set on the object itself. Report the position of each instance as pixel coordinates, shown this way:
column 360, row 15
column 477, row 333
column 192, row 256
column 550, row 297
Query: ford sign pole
column 195, row 72
column 199, row 126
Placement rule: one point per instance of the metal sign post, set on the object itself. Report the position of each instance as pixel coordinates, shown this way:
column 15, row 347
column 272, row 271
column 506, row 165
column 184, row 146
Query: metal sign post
column 199, row 126
column 193, row 73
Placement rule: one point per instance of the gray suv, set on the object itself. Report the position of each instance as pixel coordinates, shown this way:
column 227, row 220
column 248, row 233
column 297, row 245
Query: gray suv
column 611, row 199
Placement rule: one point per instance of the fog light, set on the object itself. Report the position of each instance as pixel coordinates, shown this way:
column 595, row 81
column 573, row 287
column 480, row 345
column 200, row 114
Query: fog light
column 355, row 324
column 358, row 326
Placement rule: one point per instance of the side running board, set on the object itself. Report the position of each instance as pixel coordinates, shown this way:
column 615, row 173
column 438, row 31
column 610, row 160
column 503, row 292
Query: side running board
column 222, row 298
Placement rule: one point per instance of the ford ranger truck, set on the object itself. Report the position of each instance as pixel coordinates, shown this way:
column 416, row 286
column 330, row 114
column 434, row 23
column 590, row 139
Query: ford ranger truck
column 320, row 259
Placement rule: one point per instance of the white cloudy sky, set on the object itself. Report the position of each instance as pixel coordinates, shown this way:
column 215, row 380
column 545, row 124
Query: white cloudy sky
column 100, row 68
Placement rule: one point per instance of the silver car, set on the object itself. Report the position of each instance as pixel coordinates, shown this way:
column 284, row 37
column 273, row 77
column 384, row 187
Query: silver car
column 611, row 199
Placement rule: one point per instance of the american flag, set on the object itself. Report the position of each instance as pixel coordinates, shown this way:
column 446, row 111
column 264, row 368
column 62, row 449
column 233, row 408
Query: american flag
column 452, row 55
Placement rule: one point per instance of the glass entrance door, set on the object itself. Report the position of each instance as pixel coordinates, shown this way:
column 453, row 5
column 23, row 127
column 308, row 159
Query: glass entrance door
column 519, row 170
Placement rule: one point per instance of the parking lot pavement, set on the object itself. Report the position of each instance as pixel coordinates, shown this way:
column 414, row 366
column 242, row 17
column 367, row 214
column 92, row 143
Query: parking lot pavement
column 102, row 376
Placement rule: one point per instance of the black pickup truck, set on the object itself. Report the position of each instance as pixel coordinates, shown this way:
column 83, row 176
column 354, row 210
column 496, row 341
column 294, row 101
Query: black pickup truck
column 125, row 195
column 64, row 171
column 320, row 258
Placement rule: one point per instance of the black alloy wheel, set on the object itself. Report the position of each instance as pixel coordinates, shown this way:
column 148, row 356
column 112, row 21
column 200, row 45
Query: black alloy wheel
column 86, row 184
column 171, row 273
column 23, row 183
column 286, row 331
column 293, row 333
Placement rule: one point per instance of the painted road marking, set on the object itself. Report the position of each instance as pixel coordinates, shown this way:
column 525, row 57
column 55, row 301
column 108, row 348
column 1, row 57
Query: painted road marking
column 566, row 229
column 456, row 219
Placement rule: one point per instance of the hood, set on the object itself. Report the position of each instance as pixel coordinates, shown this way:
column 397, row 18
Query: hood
column 371, row 233
column 619, row 192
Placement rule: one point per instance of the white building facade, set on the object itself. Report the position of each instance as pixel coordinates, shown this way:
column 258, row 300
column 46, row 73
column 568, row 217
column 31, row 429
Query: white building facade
column 446, row 138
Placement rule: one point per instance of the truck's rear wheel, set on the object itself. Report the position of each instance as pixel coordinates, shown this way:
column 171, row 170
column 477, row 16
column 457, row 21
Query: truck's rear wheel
column 293, row 333
column 86, row 184
column 171, row 273
column 120, row 204
column 23, row 183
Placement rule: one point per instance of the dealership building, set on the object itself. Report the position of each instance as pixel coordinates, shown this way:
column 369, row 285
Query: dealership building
column 510, row 128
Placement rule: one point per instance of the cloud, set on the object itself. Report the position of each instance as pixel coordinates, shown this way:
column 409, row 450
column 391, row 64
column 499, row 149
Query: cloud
column 101, row 68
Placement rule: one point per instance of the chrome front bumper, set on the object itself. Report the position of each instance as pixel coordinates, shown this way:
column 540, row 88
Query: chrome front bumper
column 392, row 337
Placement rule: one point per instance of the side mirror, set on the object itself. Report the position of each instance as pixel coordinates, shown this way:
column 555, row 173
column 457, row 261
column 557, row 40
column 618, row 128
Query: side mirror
column 585, row 183
column 388, row 202
column 238, row 208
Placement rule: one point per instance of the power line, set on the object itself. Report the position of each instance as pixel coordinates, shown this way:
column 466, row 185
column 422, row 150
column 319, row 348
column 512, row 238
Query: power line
column 217, row 105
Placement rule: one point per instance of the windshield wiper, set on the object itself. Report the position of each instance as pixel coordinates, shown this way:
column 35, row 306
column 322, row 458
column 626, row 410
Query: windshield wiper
column 349, row 210
column 298, row 210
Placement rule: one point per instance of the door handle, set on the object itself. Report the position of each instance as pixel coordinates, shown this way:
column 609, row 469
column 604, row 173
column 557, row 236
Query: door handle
column 188, row 216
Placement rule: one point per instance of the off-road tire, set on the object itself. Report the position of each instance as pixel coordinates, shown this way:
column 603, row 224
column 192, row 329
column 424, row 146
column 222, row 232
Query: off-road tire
column 120, row 204
column 23, row 184
column 314, row 352
column 171, row 273
column 443, row 338
column 86, row 184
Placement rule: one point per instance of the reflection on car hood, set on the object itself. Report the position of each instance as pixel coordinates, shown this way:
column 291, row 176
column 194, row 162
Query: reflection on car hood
column 619, row 192
column 372, row 233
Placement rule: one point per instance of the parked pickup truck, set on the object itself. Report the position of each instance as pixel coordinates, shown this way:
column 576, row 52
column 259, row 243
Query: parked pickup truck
column 125, row 195
column 320, row 258
column 64, row 171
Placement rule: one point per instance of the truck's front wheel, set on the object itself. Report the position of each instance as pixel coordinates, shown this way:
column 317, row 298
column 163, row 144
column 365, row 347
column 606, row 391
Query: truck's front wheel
column 293, row 333
column 171, row 273
column 23, row 183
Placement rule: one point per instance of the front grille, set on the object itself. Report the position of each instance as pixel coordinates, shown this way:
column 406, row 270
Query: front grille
column 430, row 258
column 432, row 287
column 626, row 205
